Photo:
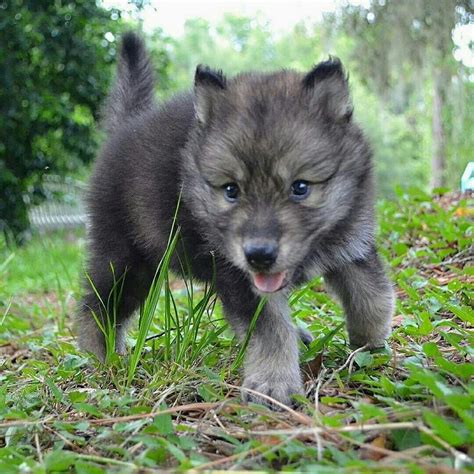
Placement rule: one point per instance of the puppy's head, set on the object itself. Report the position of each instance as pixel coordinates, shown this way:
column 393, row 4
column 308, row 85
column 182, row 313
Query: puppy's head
column 273, row 166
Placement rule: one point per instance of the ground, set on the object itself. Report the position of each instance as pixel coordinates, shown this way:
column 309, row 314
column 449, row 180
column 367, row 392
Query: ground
column 173, row 401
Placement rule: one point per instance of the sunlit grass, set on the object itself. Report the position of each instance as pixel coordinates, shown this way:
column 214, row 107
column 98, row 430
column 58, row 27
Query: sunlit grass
column 405, row 411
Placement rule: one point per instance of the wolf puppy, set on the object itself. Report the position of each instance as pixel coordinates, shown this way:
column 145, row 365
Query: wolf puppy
column 276, row 187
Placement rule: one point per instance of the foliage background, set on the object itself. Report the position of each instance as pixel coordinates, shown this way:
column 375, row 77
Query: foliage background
column 55, row 64
column 391, row 80
column 56, row 61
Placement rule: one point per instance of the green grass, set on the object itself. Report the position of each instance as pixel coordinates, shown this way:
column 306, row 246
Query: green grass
column 173, row 401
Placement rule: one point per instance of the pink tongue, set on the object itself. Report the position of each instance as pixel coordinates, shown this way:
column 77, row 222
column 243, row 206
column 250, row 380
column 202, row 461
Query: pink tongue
column 268, row 283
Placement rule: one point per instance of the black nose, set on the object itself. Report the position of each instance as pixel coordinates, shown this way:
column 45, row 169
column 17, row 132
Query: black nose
column 261, row 255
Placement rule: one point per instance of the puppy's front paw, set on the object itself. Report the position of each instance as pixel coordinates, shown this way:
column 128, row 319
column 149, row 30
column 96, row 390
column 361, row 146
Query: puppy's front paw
column 277, row 387
column 306, row 337
column 369, row 344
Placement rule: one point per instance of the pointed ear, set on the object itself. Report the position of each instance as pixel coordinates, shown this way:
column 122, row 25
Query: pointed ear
column 328, row 88
column 208, row 84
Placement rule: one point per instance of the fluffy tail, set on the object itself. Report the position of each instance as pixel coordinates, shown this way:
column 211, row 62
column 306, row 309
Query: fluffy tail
column 133, row 91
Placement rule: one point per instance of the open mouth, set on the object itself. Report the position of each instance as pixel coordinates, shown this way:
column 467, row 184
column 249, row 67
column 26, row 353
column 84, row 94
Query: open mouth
column 269, row 283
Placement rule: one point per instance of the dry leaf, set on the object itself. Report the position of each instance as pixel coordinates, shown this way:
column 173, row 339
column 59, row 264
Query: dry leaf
column 464, row 212
column 397, row 321
column 311, row 369
column 372, row 450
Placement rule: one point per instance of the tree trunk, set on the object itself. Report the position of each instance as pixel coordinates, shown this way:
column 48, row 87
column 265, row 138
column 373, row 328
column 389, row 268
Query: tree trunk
column 438, row 160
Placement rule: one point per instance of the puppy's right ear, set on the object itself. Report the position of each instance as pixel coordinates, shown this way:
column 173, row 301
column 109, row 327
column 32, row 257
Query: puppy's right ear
column 328, row 88
column 208, row 85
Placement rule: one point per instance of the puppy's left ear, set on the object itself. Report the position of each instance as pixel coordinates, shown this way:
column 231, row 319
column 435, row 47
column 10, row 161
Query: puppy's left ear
column 328, row 89
column 208, row 86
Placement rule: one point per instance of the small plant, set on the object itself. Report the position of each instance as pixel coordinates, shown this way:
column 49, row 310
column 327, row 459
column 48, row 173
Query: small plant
column 107, row 319
column 148, row 308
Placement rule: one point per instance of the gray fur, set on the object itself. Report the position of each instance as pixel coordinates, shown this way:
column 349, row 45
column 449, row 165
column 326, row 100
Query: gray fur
column 263, row 132
column 271, row 365
column 306, row 337
column 367, row 298
column 133, row 92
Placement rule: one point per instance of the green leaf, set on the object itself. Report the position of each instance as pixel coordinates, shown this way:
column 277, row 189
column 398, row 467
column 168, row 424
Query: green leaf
column 460, row 401
column 431, row 349
column 405, row 439
column 88, row 408
column 462, row 312
column 58, row 461
column 370, row 412
column 443, row 428
column 176, row 452
column 364, row 359
column 431, row 380
column 207, row 393
column 164, row 424
column 83, row 467
column 58, row 395
column 388, row 386
column 77, row 397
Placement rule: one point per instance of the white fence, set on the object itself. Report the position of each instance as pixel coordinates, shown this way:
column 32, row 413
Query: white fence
column 63, row 207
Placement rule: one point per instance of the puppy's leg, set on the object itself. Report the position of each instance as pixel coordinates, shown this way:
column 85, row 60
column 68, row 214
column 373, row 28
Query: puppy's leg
column 272, row 360
column 271, row 363
column 108, row 285
column 368, row 300
column 306, row 337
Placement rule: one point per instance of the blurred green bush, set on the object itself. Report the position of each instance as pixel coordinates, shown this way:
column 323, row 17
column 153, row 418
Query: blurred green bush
column 55, row 61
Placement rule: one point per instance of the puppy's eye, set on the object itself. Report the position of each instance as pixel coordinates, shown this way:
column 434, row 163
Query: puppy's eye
column 231, row 192
column 300, row 190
